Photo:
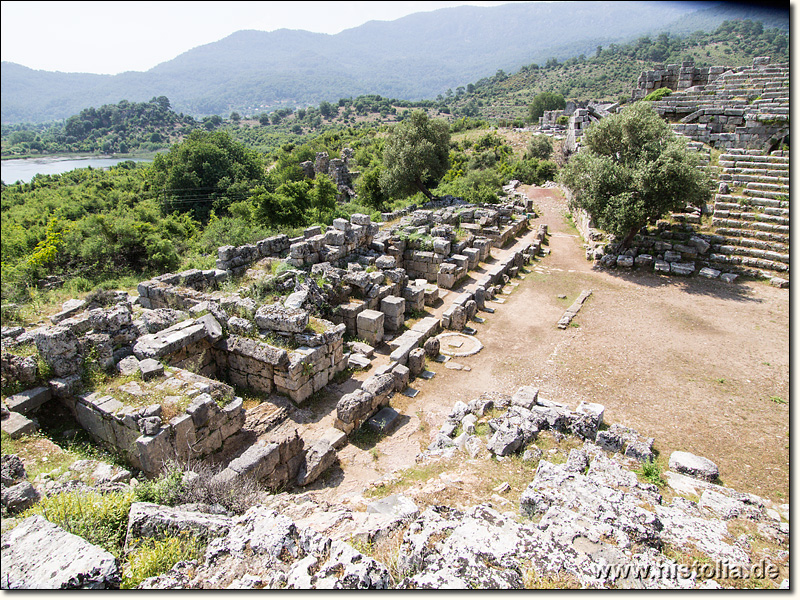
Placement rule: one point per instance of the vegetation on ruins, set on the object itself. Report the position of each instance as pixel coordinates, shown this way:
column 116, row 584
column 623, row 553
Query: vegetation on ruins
column 543, row 102
column 632, row 171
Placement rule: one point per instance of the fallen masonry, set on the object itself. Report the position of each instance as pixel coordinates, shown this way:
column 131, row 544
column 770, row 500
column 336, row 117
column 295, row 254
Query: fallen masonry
column 184, row 348
column 586, row 518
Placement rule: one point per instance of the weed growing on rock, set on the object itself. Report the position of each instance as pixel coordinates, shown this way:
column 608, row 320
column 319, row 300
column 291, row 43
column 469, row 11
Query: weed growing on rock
column 650, row 471
column 166, row 490
column 154, row 557
column 101, row 519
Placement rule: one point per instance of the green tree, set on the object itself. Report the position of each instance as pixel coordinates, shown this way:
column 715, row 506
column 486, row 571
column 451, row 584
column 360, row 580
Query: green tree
column 545, row 101
column 206, row 171
column 416, row 156
column 540, row 146
column 633, row 170
column 368, row 188
column 323, row 197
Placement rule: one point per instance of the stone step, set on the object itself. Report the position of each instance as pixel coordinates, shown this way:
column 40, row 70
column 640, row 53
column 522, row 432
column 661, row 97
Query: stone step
column 750, row 200
column 780, row 196
column 754, row 225
column 757, row 158
column 765, row 172
column 769, row 187
column 734, row 235
column 732, row 250
column 742, row 215
column 729, row 175
column 731, row 165
column 777, row 247
column 742, row 204
column 747, row 261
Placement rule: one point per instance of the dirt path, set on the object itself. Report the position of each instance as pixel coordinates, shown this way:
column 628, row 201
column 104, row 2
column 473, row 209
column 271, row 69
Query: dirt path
column 700, row 365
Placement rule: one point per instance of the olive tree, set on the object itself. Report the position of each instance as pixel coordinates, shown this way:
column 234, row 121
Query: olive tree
column 416, row 156
column 632, row 170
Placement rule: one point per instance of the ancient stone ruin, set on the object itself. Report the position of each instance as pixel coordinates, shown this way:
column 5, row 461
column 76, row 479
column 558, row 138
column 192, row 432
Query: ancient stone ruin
column 188, row 341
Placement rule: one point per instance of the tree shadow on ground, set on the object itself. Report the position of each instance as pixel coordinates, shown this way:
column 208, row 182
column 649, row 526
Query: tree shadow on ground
column 695, row 285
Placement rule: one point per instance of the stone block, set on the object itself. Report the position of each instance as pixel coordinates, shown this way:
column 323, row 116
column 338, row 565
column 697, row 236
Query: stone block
column 383, row 421
column 525, row 397
column 150, row 368
column 352, row 408
column 369, row 326
column 37, row 554
column 276, row 317
column 401, row 376
column 28, row 401
column 258, row 461
column 154, row 451
column 698, row 467
column 16, row 425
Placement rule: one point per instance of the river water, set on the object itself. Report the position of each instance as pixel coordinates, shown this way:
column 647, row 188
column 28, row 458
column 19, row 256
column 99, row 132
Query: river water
column 24, row 169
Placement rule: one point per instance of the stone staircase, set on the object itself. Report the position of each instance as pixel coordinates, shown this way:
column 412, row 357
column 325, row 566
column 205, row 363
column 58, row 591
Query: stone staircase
column 745, row 107
column 751, row 214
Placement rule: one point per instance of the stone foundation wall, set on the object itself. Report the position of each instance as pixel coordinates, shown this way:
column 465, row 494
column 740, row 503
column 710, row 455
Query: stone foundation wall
column 147, row 442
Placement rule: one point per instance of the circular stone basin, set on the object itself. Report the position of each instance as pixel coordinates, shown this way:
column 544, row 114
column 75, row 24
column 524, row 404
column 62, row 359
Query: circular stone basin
column 458, row 344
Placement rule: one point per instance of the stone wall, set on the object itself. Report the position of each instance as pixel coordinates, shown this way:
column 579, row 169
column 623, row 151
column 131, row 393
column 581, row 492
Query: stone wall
column 144, row 439
column 675, row 77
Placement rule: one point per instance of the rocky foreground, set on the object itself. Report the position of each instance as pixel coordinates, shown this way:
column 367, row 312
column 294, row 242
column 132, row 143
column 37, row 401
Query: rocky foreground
column 585, row 522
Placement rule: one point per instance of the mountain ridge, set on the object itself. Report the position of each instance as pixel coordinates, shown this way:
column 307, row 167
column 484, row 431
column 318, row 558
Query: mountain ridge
column 420, row 55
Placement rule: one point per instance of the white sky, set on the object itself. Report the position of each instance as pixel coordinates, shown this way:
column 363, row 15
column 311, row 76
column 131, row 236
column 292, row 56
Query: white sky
column 110, row 37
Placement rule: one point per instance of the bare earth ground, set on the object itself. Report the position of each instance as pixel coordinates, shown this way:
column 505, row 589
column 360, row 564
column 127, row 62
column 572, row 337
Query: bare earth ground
column 700, row 365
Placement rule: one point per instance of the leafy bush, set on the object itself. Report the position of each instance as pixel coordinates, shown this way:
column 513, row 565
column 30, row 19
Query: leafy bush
column 166, row 490
column 540, row 146
column 533, row 171
column 101, row 519
column 154, row 557
column 658, row 94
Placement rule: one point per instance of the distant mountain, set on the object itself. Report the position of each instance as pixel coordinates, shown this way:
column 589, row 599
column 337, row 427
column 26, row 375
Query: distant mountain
column 416, row 57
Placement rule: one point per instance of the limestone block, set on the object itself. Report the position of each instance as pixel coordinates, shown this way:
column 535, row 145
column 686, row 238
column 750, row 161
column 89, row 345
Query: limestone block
column 258, row 461
column 684, row 269
column 352, row 408
column 28, row 401
column 416, row 360
column 370, row 326
column 59, row 348
column 319, row 457
column 276, row 317
column 154, row 451
column 184, row 437
column 153, row 521
column 694, row 466
column 37, row 554
column 150, row 368
column 16, row 425
column 401, row 375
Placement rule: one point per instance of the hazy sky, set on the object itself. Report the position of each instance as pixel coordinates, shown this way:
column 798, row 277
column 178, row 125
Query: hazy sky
column 112, row 37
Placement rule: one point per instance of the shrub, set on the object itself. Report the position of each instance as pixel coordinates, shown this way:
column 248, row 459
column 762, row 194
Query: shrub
column 167, row 489
column 658, row 94
column 651, row 472
column 101, row 519
column 533, row 171
column 154, row 557
column 540, row 146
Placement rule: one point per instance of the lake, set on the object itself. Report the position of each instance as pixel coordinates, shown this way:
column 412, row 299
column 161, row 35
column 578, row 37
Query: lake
column 24, row 169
